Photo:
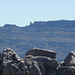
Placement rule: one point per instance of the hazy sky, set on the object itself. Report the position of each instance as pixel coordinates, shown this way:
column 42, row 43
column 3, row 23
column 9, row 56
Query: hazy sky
column 22, row 12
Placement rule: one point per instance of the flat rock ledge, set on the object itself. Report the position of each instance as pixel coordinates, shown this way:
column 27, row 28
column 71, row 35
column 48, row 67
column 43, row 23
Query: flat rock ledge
column 36, row 62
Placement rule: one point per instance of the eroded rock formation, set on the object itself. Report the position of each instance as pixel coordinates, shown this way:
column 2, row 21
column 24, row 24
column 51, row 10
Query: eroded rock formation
column 36, row 62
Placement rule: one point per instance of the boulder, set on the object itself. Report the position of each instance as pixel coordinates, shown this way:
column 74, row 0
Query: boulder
column 8, row 71
column 70, row 59
column 16, row 68
column 42, row 68
column 34, row 67
column 49, row 71
column 8, row 56
column 66, row 71
column 41, row 52
column 46, row 61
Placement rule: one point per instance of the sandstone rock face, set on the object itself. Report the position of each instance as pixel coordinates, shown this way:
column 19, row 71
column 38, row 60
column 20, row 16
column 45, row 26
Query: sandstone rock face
column 70, row 59
column 66, row 71
column 41, row 52
column 50, row 71
column 45, row 57
column 16, row 68
column 8, row 56
column 47, row 62
column 36, row 62
column 42, row 68
column 34, row 69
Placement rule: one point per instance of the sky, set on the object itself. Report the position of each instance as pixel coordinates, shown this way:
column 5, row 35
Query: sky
column 22, row 12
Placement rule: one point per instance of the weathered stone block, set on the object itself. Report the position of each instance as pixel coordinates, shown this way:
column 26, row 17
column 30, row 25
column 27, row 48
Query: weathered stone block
column 66, row 71
column 8, row 56
column 70, row 59
column 41, row 52
column 46, row 61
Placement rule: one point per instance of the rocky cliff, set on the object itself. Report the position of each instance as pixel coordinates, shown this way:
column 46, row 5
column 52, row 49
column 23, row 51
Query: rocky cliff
column 36, row 62
column 58, row 36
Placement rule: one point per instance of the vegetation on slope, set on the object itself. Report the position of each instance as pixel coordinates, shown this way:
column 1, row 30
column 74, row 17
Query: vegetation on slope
column 58, row 36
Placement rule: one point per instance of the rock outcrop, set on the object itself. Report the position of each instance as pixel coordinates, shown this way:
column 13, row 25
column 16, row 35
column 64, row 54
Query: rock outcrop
column 45, row 57
column 46, row 61
column 16, row 68
column 8, row 56
column 36, row 62
column 70, row 59
column 41, row 52
column 66, row 70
